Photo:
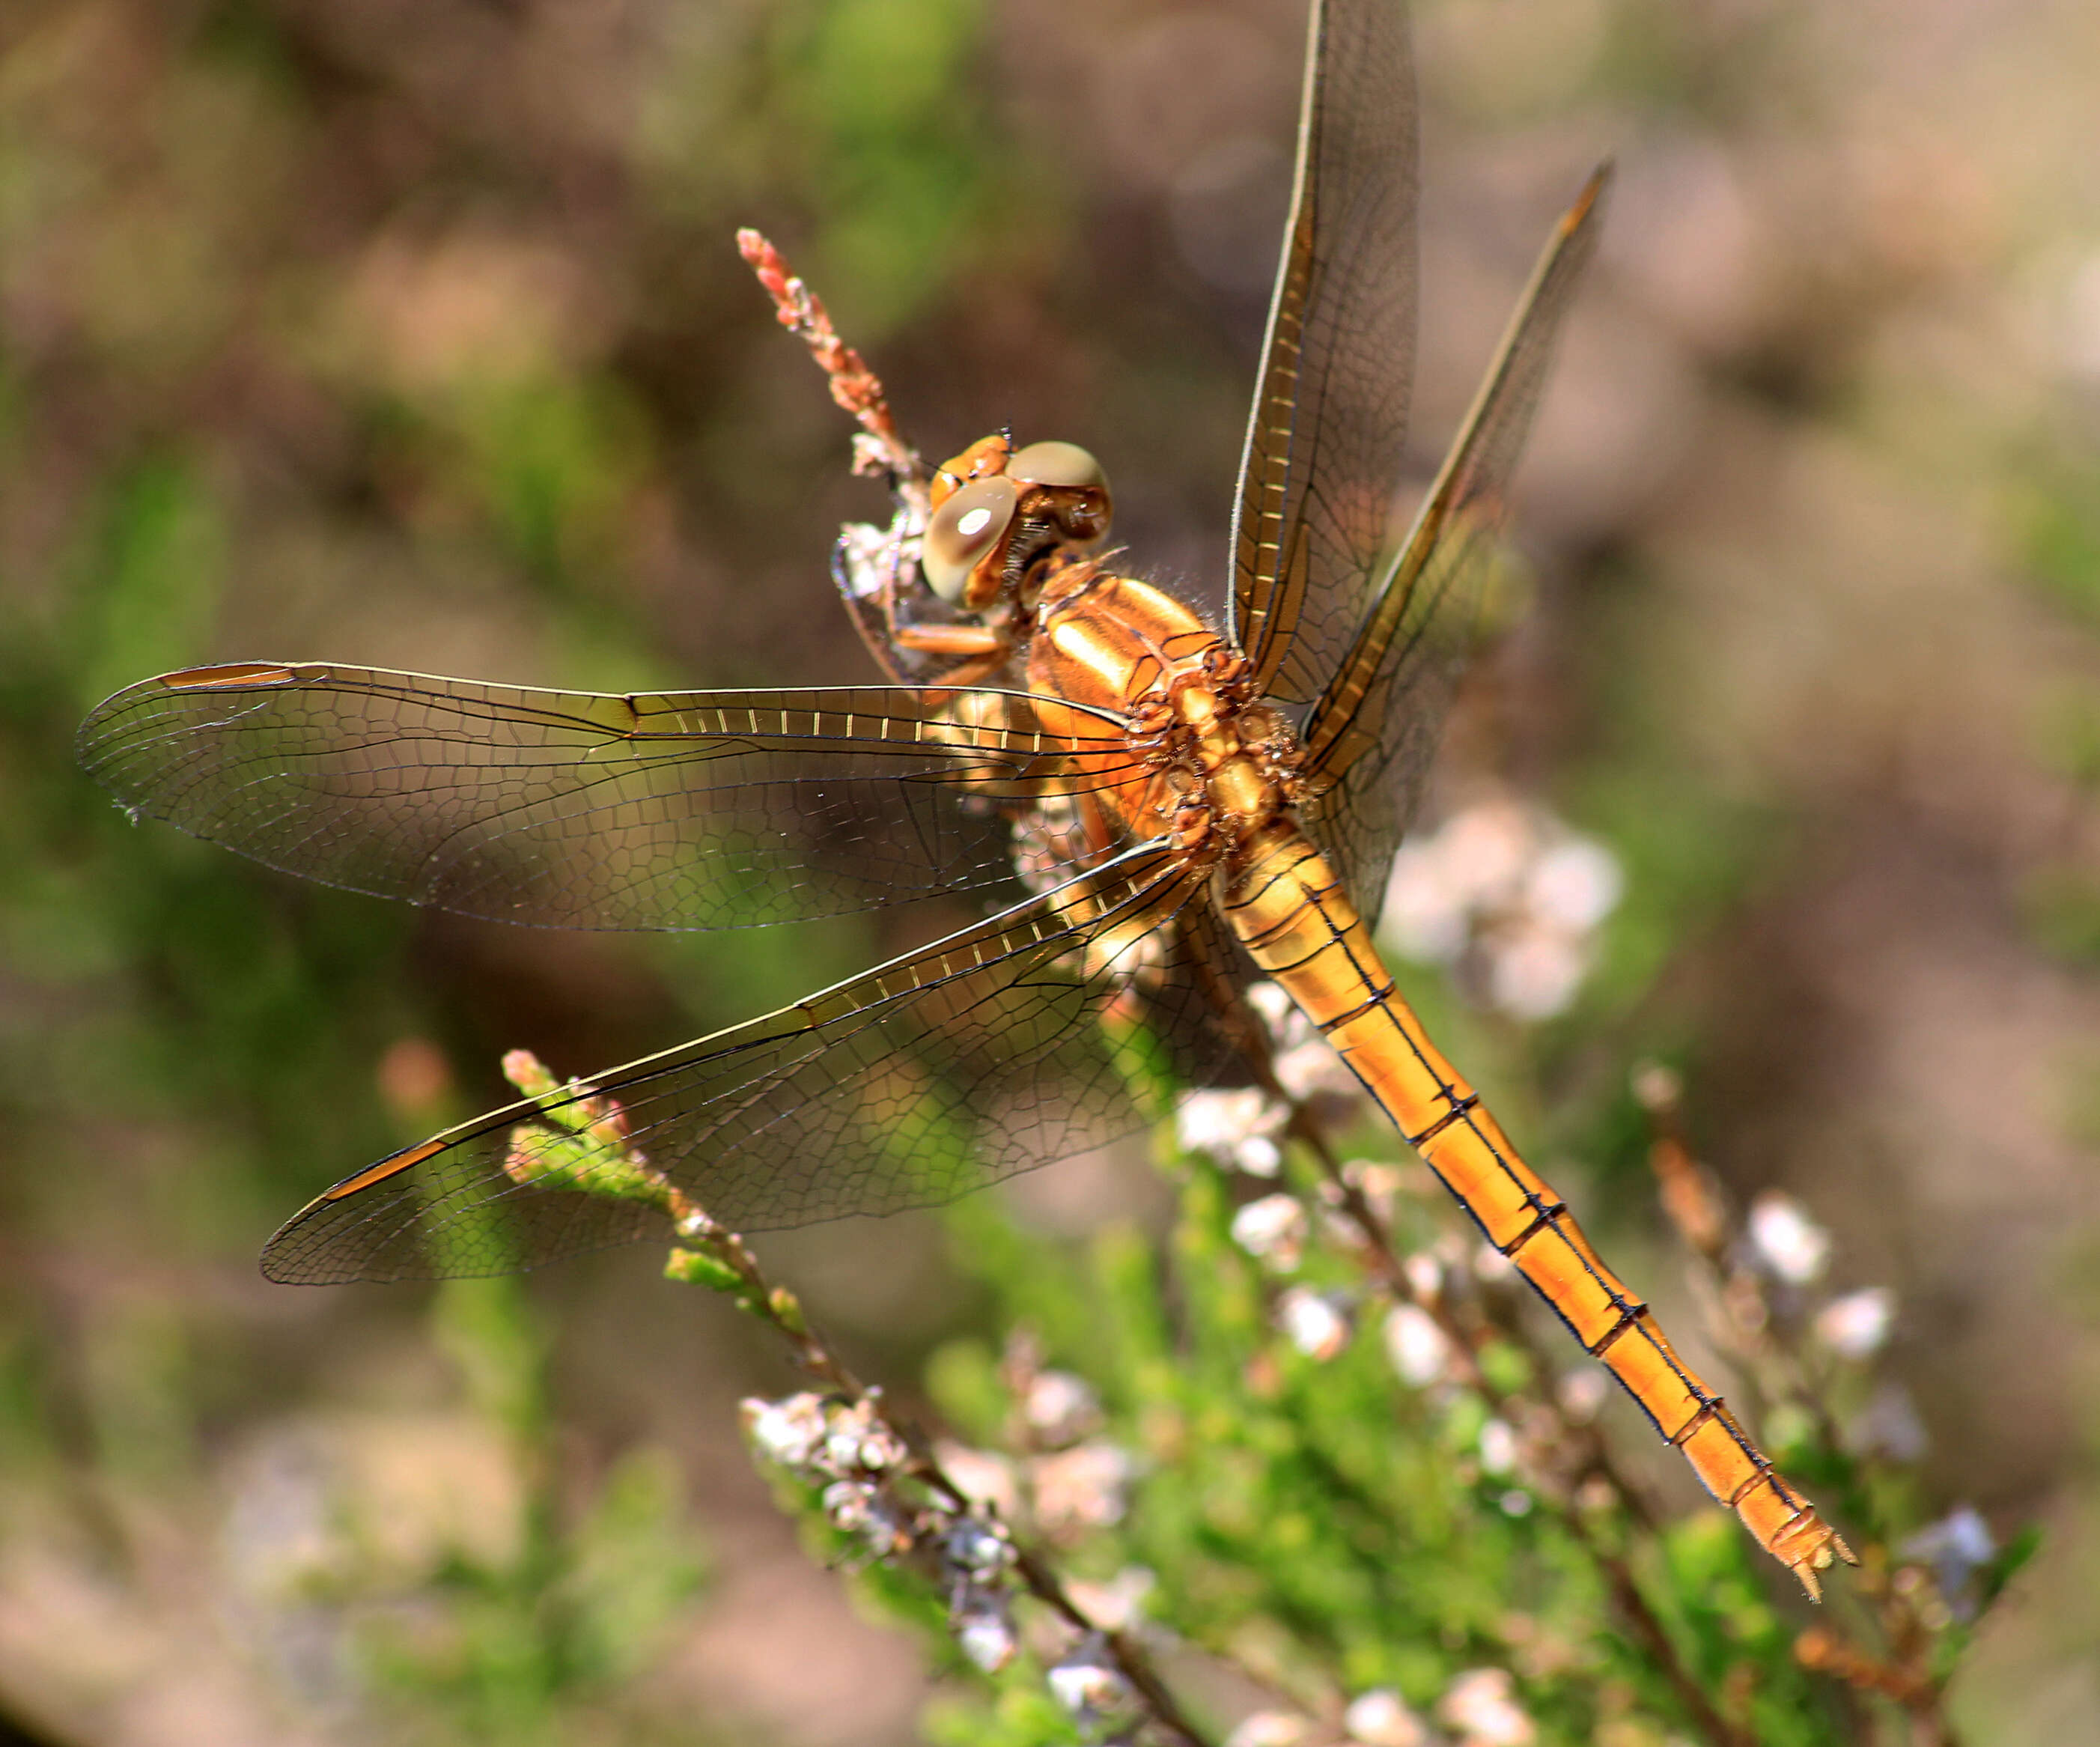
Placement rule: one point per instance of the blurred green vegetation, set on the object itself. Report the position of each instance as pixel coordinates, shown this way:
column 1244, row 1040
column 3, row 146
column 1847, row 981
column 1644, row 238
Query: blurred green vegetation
column 416, row 337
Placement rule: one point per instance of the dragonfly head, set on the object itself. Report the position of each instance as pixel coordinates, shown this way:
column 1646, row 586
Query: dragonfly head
column 997, row 510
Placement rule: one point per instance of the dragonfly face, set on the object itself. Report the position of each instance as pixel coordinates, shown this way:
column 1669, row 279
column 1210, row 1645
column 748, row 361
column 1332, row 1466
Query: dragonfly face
column 1001, row 514
column 1187, row 808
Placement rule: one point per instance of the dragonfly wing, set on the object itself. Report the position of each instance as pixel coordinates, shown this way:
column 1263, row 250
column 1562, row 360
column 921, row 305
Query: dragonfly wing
column 1325, row 438
column 1370, row 735
column 1035, row 1034
column 581, row 809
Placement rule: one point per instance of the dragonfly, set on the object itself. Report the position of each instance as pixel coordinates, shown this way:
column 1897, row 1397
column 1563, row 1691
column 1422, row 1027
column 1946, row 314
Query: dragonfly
column 1155, row 810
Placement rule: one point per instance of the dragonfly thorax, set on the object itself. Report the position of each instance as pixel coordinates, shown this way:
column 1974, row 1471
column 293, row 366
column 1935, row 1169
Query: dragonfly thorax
column 1213, row 768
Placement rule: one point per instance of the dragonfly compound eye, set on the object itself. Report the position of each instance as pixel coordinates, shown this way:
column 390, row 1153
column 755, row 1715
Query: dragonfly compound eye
column 964, row 529
column 1056, row 464
column 1073, row 490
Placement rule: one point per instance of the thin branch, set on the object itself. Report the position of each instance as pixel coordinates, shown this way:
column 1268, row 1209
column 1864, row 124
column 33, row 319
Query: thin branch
column 588, row 1147
column 1913, row 1610
column 854, row 384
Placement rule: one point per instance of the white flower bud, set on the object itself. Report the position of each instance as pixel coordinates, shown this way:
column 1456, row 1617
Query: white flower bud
column 1480, row 1705
column 1419, row 1351
column 1313, row 1323
column 1790, row 1243
column 984, row 1630
column 1855, row 1325
column 1379, row 1719
column 1272, row 1230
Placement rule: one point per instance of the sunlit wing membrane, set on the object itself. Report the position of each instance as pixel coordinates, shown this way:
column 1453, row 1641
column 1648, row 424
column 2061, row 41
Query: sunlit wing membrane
column 1370, row 735
column 1055, row 1027
column 1325, row 437
column 579, row 809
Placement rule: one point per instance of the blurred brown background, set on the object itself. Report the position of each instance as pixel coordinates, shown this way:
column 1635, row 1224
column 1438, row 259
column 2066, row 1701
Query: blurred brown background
column 410, row 332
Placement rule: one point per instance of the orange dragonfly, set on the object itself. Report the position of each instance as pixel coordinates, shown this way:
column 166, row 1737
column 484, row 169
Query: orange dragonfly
column 1162, row 812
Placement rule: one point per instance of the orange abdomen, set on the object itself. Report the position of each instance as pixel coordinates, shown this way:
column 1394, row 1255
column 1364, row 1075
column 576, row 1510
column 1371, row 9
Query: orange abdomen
column 1288, row 908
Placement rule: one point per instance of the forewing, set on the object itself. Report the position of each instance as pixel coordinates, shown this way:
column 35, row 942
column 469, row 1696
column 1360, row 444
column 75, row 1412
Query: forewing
column 1053, row 1027
column 581, row 809
column 1369, row 737
column 1324, row 438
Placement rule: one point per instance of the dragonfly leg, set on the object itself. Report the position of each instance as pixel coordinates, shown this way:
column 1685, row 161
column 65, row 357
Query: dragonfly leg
column 979, row 651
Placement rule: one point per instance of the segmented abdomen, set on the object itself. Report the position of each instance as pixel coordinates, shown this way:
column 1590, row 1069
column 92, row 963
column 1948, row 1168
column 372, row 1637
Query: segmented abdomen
column 1289, row 908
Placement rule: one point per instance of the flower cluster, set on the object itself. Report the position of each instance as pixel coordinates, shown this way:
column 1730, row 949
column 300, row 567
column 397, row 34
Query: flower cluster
column 1062, row 1478
column 874, row 1493
column 1477, row 1708
column 1242, row 1129
column 1510, row 899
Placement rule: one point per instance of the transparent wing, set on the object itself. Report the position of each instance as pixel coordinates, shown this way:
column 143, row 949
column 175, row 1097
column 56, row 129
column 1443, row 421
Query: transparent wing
column 1370, row 735
column 1039, row 1033
column 1325, row 438
column 579, row 810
